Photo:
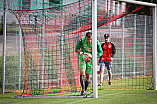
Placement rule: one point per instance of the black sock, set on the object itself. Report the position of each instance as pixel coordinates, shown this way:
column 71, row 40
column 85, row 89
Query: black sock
column 86, row 84
column 82, row 81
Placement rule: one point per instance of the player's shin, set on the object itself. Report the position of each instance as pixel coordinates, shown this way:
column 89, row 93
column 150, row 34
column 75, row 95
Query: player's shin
column 86, row 84
column 82, row 81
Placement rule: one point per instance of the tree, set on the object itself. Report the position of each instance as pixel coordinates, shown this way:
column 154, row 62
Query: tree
column 150, row 1
column 146, row 10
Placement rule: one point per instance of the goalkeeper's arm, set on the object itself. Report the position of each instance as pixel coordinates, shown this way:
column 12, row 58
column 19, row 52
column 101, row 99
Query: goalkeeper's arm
column 78, row 46
column 79, row 52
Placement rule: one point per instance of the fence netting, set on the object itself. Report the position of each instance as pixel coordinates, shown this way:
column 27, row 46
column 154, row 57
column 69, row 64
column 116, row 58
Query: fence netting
column 50, row 32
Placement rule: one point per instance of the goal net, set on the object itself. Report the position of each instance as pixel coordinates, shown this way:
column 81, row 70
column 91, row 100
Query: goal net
column 51, row 31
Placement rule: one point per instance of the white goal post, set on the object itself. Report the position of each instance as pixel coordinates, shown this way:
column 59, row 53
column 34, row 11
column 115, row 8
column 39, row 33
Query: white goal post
column 94, row 45
column 94, row 42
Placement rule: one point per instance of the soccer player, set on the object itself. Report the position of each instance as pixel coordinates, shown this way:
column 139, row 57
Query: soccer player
column 83, row 48
column 109, row 51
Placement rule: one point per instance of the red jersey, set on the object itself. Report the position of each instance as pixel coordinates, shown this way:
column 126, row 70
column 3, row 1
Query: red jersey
column 109, row 51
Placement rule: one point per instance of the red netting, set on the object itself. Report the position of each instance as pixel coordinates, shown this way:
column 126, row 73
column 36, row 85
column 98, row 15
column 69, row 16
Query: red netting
column 51, row 34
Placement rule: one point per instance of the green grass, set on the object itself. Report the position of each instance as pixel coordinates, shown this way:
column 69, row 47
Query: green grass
column 13, row 29
column 144, row 82
column 104, row 97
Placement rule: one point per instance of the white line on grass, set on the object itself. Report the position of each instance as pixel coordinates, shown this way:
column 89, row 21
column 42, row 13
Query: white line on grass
column 90, row 98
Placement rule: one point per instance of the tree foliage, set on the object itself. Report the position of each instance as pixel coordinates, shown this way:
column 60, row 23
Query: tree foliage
column 146, row 10
column 150, row 1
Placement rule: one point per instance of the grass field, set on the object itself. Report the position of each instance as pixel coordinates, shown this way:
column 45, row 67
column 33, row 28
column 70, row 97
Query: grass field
column 104, row 97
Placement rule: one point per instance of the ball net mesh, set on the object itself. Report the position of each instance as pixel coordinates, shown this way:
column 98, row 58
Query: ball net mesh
column 51, row 31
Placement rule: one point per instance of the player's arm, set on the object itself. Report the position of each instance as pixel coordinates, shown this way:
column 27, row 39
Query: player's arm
column 78, row 46
column 99, row 49
column 113, row 50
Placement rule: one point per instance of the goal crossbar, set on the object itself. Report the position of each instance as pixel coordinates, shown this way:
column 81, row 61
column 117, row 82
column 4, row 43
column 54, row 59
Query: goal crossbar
column 138, row 2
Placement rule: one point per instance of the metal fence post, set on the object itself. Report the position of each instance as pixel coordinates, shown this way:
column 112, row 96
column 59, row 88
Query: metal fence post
column 19, row 60
column 134, row 55
column 4, row 47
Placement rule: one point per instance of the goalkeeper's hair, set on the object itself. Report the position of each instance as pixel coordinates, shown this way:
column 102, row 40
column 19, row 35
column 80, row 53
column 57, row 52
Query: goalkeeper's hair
column 88, row 34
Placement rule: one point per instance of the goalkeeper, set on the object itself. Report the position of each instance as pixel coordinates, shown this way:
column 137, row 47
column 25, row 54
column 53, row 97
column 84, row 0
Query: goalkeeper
column 84, row 49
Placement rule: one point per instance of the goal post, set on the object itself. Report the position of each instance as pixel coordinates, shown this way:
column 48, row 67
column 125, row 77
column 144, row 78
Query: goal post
column 94, row 38
column 94, row 45
column 138, row 2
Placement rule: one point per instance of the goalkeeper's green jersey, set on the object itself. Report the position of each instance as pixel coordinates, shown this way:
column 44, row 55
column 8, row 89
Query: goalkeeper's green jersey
column 87, row 47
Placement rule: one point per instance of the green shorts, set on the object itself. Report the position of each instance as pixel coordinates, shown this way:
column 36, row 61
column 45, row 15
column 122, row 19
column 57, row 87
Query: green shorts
column 85, row 65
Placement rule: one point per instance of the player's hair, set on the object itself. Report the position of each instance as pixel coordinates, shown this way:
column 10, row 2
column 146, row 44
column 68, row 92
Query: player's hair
column 106, row 35
column 88, row 34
